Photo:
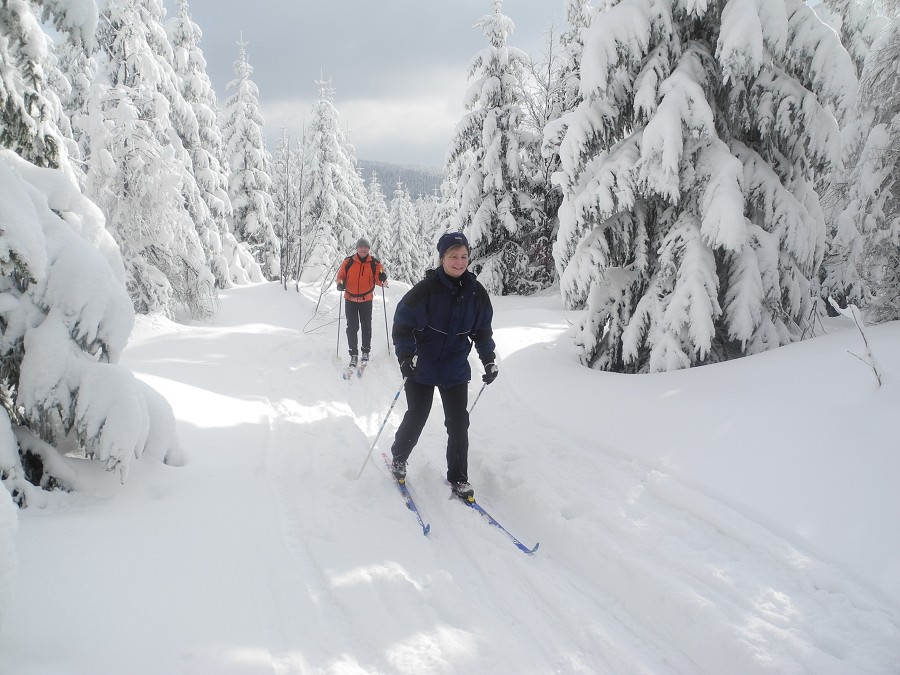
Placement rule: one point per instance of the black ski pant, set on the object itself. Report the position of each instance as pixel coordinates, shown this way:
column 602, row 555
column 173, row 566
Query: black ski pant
column 419, row 398
column 358, row 314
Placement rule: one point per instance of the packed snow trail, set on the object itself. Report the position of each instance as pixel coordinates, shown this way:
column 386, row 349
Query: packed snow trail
column 277, row 560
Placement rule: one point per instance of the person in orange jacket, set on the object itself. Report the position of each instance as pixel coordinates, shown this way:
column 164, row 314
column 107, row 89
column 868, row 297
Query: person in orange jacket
column 357, row 278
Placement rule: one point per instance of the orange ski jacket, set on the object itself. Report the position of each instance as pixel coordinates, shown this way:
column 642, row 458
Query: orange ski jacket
column 359, row 277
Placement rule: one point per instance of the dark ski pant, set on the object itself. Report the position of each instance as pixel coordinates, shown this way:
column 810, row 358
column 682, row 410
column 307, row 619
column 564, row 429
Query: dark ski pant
column 456, row 418
column 358, row 314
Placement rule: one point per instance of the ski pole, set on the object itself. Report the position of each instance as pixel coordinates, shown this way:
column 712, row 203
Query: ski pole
column 337, row 347
column 477, row 397
column 386, row 332
column 396, row 396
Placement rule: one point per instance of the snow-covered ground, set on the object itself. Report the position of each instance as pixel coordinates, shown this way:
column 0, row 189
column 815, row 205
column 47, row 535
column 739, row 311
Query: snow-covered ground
column 738, row 518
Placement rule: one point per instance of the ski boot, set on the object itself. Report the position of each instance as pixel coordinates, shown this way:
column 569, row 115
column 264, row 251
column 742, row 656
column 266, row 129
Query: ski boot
column 398, row 471
column 463, row 490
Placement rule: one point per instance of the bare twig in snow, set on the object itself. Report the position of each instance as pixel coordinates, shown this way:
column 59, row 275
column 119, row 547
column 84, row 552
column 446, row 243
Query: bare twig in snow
column 852, row 313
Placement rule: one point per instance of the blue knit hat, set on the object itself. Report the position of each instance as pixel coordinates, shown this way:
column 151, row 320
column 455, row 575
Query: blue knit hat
column 451, row 239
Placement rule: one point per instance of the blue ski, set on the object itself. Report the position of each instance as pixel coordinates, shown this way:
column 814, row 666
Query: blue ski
column 493, row 521
column 410, row 504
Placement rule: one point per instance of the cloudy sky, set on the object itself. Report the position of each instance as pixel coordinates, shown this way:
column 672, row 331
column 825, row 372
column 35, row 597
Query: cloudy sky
column 398, row 67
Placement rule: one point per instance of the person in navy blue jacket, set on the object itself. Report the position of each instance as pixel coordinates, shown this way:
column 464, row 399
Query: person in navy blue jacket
column 435, row 325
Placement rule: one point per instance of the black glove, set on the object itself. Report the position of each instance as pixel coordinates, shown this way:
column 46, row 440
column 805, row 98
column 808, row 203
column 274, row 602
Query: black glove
column 340, row 286
column 490, row 373
column 408, row 365
column 382, row 277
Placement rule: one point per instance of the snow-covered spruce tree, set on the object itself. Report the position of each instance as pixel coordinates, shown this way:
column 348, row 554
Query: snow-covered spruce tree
column 209, row 162
column 65, row 319
column 138, row 171
column 198, row 129
column 563, row 95
column 426, row 208
column 546, row 98
column 29, row 110
column 359, row 193
column 64, row 312
column 190, row 152
column 286, row 199
column 249, row 183
column 858, row 23
column 377, row 222
column 487, row 157
column 447, row 208
column 333, row 207
column 202, row 301
column 578, row 21
column 868, row 229
column 689, row 177
column 408, row 260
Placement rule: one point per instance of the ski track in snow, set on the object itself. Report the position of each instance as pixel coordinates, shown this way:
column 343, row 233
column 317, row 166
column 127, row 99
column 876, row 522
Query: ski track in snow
column 674, row 562
column 636, row 572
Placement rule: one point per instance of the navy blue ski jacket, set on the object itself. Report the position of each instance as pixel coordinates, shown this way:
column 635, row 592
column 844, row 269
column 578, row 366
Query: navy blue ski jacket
column 439, row 319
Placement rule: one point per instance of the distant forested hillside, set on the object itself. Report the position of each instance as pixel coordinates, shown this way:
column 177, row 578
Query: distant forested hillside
column 419, row 180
